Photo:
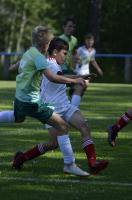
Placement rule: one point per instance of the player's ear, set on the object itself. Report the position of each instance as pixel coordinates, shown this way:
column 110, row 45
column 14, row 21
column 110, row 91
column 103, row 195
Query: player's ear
column 55, row 52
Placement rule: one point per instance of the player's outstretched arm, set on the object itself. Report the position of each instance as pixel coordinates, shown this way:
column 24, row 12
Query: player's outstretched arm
column 62, row 79
column 87, row 76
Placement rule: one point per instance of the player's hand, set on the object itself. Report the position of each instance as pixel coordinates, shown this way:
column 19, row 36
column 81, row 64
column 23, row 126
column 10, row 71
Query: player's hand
column 14, row 66
column 87, row 82
column 89, row 76
column 80, row 81
column 11, row 68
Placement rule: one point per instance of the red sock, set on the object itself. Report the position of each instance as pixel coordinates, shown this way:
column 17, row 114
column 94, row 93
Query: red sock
column 89, row 149
column 122, row 122
column 32, row 153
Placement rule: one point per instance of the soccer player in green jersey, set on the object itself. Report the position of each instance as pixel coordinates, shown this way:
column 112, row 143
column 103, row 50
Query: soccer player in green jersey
column 75, row 92
column 69, row 28
column 32, row 66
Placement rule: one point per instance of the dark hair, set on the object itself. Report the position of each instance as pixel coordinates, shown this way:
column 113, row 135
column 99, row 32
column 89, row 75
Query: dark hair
column 58, row 44
column 41, row 35
column 70, row 18
column 89, row 36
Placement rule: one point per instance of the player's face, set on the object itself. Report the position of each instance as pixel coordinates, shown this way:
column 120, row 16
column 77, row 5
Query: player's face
column 69, row 28
column 61, row 56
column 45, row 47
column 89, row 42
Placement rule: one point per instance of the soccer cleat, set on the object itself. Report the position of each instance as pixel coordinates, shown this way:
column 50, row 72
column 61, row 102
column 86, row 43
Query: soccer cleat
column 75, row 170
column 98, row 166
column 18, row 161
column 111, row 136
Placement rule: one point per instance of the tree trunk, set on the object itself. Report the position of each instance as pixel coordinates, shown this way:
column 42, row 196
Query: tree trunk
column 95, row 19
column 22, row 27
column 10, row 44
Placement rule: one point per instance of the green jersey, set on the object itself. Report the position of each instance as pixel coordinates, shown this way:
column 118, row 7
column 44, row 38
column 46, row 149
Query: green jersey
column 29, row 78
column 72, row 42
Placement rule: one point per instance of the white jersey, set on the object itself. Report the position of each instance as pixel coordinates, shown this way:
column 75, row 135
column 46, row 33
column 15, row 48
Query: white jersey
column 86, row 57
column 54, row 93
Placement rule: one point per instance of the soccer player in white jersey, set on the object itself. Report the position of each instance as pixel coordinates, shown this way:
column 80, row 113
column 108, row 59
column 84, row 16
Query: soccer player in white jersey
column 56, row 95
column 86, row 54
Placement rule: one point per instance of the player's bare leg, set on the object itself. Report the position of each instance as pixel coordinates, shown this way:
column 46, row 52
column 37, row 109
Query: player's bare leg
column 79, row 123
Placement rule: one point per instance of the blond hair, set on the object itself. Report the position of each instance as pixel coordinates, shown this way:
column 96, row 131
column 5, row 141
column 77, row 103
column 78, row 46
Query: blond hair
column 41, row 35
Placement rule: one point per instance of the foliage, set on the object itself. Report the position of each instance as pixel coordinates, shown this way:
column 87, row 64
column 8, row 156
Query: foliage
column 21, row 14
column 115, row 30
column 114, row 36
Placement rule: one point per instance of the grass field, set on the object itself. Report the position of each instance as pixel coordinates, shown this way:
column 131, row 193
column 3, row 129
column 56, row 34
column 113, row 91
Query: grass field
column 43, row 177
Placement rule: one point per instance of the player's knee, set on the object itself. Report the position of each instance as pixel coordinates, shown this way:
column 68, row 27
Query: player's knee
column 53, row 145
column 82, row 124
column 64, row 127
column 84, row 127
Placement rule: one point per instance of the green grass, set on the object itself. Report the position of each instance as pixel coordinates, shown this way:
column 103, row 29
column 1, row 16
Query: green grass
column 43, row 178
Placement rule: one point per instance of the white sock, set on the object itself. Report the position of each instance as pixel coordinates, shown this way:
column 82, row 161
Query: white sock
column 7, row 116
column 76, row 99
column 66, row 149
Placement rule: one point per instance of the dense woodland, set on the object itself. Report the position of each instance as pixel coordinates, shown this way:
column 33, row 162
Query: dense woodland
column 108, row 20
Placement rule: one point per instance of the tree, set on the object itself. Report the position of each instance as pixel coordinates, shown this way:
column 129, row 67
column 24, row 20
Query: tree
column 95, row 19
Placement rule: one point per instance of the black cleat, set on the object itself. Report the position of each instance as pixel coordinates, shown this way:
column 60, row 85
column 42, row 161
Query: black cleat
column 18, row 161
column 111, row 136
